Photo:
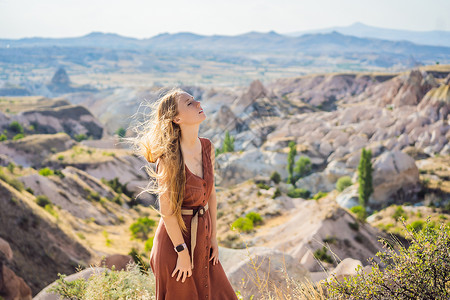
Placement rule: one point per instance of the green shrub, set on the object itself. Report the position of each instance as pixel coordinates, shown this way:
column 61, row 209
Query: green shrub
column 59, row 173
column 108, row 242
column 243, row 224
column 255, row 217
column 141, row 228
column 42, row 200
column 46, row 172
column 117, row 186
column 117, row 199
column 15, row 183
column 138, row 260
column 49, row 208
column 302, row 167
column 343, row 183
column 30, row 190
column 275, row 177
column 263, row 186
column 61, row 157
column 93, row 196
column 15, row 127
column 18, row 136
column 322, row 255
column 80, row 137
column 3, row 137
column 10, row 167
column 359, row 211
column 149, row 244
column 330, row 239
column 416, row 225
column 277, row 193
column 319, row 195
column 399, row 212
column 298, row 193
column 130, row 284
column 121, row 132
column 420, row 270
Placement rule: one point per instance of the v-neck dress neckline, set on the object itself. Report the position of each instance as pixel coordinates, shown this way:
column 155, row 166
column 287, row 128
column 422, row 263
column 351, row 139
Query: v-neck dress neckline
column 203, row 160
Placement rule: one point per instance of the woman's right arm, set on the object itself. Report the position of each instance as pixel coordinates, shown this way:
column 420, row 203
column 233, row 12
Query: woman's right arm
column 173, row 230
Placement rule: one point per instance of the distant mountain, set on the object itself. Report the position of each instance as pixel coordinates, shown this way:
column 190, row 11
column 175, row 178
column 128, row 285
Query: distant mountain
column 93, row 39
column 433, row 38
column 271, row 42
column 172, row 53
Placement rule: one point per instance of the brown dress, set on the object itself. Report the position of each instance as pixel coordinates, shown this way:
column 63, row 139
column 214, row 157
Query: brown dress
column 208, row 281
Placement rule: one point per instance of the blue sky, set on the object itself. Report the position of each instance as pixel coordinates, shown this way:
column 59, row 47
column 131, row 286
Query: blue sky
column 143, row 19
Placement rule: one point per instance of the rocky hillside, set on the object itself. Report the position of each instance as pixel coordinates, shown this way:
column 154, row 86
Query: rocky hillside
column 65, row 203
column 332, row 139
column 67, row 181
column 56, row 116
column 41, row 248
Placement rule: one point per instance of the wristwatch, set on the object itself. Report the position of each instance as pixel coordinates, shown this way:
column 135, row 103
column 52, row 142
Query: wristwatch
column 180, row 247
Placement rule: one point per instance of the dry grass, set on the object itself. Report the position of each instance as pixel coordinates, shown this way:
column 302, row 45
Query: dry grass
column 293, row 288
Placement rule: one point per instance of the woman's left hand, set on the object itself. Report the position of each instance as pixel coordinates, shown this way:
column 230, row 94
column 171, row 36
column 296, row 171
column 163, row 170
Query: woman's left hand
column 215, row 251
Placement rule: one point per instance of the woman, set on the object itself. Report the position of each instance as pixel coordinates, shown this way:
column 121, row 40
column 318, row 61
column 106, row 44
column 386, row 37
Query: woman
column 185, row 253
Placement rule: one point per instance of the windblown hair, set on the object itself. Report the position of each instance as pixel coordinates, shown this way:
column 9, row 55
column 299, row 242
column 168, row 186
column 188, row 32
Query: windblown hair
column 158, row 140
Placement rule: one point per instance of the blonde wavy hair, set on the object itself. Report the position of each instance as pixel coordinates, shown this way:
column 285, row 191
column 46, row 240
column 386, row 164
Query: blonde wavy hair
column 157, row 139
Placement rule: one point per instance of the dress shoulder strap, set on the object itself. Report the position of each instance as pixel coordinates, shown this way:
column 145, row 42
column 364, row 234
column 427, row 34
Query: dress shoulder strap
column 207, row 143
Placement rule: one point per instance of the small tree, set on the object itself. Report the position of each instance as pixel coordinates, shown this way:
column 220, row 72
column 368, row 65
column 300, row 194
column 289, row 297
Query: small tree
column 290, row 165
column 302, row 167
column 365, row 170
column 15, row 127
column 141, row 228
column 121, row 132
column 228, row 143
column 275, row 177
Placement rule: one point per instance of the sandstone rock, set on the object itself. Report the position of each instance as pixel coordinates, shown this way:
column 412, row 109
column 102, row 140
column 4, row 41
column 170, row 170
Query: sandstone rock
column 348, row 197
column 52, row 249
column 13, row 287
column 337, row 169
column 6, row 249
column 5, row 160
column 315, row 182
column 346, row 267
column 60, row 77
column 312, row 222
column 438, row 100
column 255, row 91
column 119, row 261
column 394, row 171
column 33, row 149
column 325, row 148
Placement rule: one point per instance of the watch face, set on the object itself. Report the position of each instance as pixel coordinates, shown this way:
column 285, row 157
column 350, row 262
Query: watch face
column 180, row 248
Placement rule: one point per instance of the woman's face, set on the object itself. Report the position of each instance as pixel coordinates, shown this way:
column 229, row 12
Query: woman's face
column 189, row 110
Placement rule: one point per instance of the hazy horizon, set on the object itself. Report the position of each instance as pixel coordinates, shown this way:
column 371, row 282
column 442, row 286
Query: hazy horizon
column 57, row 19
